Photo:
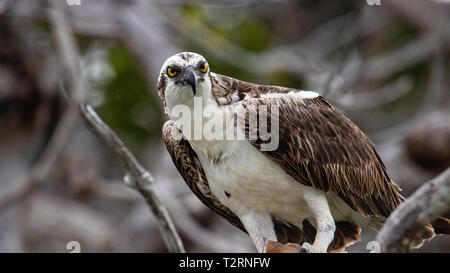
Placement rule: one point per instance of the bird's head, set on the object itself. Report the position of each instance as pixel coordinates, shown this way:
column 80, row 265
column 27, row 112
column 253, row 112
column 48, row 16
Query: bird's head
column 184, row 76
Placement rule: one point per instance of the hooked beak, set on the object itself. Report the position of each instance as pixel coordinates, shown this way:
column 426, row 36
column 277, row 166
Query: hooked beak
column 191, row 78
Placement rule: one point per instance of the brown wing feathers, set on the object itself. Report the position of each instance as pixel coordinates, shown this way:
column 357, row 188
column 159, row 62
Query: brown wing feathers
column 320, row 147
column 226, row 87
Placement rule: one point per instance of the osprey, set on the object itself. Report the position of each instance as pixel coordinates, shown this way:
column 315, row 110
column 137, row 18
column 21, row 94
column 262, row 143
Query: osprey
column 321, row 183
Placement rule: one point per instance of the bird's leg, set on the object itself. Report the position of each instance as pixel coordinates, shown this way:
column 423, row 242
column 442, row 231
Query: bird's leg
column 326, row 227
column 260, row 228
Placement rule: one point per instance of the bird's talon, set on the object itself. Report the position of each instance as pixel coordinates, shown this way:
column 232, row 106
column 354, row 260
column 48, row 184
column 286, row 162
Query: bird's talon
column 306, row 248
column 275, row 247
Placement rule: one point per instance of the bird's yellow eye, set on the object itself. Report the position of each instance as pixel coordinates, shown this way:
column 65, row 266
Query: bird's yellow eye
column 171, row 72
column 204, row 67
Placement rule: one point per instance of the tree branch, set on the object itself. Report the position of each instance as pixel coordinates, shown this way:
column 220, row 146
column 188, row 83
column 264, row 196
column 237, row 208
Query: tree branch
column 137, row 176
column 408, row 220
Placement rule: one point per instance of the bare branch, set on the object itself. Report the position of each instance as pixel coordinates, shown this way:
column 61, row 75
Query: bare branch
column 138, row 177
column 408, row 220
column 391, row 62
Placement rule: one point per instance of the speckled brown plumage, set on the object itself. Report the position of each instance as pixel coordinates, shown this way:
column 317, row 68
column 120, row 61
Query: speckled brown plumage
column 320, row 147
column 162, row 83
column 224, row 88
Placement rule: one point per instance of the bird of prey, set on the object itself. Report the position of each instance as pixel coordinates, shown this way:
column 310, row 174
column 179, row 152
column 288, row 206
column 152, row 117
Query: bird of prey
column 321, row 183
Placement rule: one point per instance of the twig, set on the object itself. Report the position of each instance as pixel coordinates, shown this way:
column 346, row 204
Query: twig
column 357, row 101
column 408, row 220
column 397, row 60
column 137, row 177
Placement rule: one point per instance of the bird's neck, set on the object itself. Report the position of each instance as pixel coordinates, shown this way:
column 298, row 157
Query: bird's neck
column 190, row 113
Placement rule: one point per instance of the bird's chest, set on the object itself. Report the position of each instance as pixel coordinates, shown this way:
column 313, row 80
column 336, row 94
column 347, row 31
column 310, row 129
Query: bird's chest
column 243, row 178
